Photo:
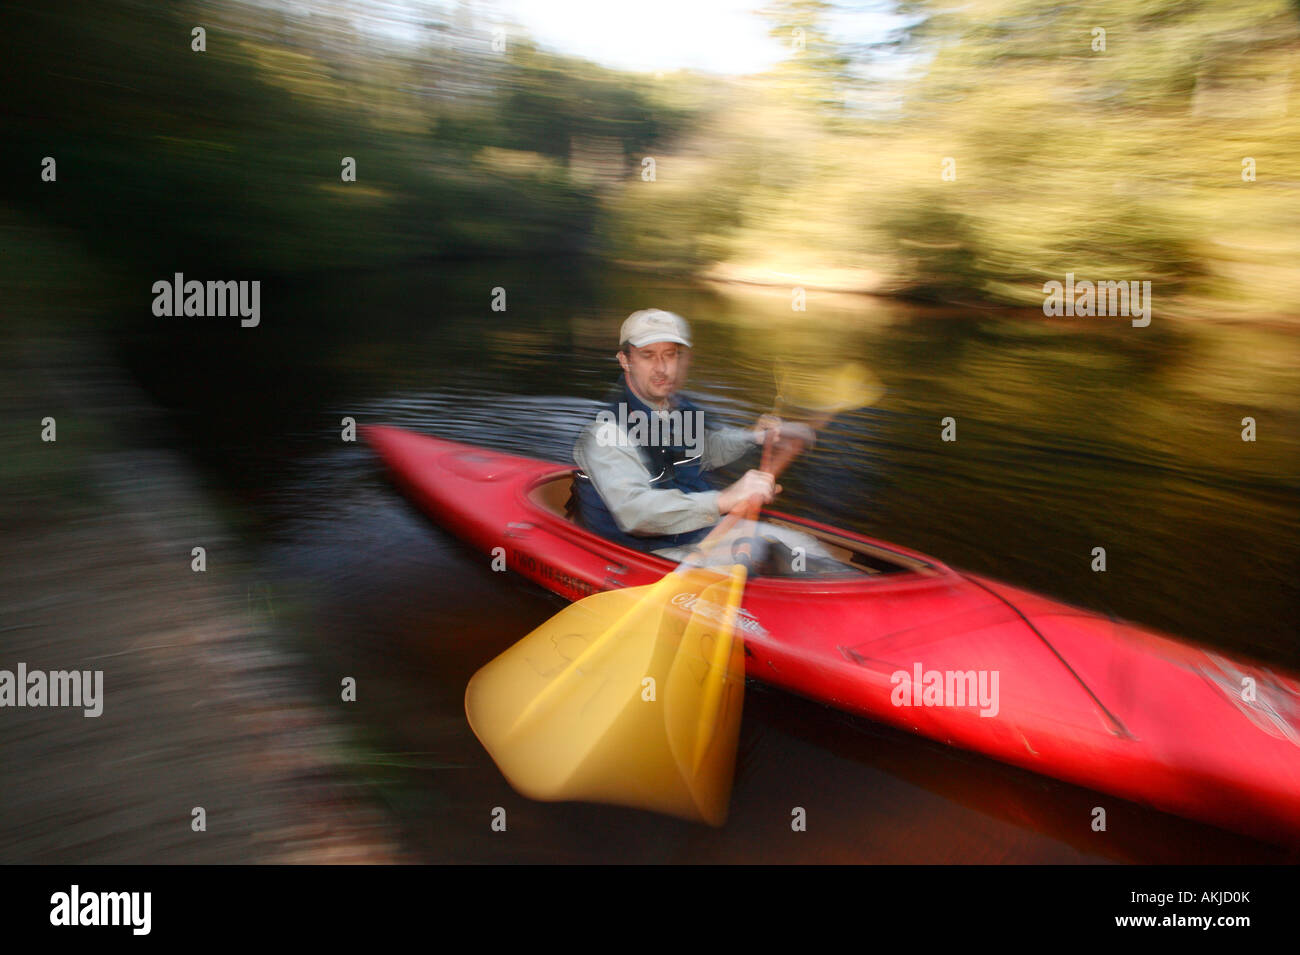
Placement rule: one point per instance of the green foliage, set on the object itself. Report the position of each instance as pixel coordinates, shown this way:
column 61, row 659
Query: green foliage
column 1122, row 162
column 231, row 159
column 550, row 102
column 1113, row 155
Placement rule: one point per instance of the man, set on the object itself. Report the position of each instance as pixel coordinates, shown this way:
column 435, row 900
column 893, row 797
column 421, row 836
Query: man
column 643, row 461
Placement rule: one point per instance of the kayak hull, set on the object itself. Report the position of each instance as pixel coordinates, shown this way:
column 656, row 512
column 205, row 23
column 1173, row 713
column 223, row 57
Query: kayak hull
column 961, row 659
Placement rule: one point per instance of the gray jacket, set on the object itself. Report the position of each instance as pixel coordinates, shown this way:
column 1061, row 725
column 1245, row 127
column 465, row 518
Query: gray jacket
column 622, row 480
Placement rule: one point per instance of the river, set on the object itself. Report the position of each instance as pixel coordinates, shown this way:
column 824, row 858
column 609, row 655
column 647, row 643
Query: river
column 1072, row 434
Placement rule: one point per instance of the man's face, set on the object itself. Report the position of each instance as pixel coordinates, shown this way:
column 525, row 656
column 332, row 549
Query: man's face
column 656, row 370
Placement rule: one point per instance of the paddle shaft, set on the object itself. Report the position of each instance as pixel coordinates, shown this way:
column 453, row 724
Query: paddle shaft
column 751, row 507
column 773, row 463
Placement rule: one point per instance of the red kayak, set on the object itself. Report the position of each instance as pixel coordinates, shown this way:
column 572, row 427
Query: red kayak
column 901, row 638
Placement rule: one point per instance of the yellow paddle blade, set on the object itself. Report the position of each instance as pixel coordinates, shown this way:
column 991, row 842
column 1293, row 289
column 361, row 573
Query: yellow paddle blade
column 706, row 685
column 631, row 697
column 821, row 391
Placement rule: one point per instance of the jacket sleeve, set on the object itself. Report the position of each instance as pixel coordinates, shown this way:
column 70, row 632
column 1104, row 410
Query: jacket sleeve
column 623, row 483
column 725, row 445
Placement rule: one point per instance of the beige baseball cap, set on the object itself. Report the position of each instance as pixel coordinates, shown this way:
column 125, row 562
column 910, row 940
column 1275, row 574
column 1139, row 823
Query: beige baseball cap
column 654, row 325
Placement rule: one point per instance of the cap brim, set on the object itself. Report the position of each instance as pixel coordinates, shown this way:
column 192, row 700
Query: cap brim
column 651, row 339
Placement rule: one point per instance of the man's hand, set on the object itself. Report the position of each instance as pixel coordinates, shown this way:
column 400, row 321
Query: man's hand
column 768, row 422
column 789, row 430
column 752, row 483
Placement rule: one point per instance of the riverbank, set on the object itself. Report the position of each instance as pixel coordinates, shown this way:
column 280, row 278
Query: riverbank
column 843, row 287
column 207, row 711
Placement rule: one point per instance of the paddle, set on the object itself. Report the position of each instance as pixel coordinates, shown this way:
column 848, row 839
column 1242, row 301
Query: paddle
column 632, row 696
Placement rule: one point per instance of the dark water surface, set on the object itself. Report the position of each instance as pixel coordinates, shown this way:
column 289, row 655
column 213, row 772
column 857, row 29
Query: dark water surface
column 1072, row 434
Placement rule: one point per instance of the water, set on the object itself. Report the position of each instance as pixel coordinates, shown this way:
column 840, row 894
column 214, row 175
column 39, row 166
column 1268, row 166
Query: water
column 1071, row 435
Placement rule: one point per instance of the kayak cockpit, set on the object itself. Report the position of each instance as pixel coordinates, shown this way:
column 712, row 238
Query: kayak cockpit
column 851, row 557
column 857, row 554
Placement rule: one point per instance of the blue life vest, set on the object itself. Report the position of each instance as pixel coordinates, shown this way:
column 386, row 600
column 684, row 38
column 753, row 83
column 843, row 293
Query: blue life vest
column 671, row 468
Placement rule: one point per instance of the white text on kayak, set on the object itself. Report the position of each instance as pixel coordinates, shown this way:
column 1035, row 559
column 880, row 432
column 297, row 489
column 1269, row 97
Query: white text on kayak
column 103, row 908
column 208, row 299
column 84, row 688
column 946, row 688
